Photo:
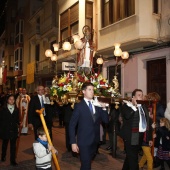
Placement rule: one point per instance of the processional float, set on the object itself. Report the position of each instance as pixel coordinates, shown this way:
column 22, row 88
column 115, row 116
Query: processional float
column 67, row 88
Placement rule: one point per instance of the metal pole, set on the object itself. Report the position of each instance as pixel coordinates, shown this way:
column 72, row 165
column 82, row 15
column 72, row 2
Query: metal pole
column 114, row 141
column 114, row 121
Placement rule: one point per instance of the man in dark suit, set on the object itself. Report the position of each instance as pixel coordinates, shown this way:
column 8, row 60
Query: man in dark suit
column 135, row 123
column 87, row 118
column 37, row 102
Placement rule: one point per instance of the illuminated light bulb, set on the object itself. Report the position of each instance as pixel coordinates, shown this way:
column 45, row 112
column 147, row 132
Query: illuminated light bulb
column 67, row 46
column 48, row 53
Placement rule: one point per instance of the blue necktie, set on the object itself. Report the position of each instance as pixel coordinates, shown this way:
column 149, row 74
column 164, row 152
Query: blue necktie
column 91, row 110
column 42, row 102
column 90, row 107
column 42, row 105
column 143, row 117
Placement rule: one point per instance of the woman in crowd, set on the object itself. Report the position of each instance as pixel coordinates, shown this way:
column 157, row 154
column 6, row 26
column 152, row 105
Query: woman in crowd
column 162, row 137
column 9, row 122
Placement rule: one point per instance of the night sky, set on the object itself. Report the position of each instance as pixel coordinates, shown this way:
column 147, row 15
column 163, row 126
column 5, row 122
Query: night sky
column 2, row 15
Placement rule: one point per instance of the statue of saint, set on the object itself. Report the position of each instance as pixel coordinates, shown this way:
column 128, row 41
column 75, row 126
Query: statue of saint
column 85, row 56
column 55, row 80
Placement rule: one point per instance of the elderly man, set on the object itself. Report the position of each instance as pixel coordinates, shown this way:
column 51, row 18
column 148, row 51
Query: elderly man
column 37, row 102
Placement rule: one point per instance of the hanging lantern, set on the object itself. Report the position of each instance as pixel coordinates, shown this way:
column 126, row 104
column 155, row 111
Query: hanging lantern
column 67, row 46
column 56, row 46
column 125, row 55
column 48, row 53
column 99, row 61
column 54, row 57
column 117, row 52
column 76, row 38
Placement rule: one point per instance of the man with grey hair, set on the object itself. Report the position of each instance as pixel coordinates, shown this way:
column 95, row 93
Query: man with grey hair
column 37, row 102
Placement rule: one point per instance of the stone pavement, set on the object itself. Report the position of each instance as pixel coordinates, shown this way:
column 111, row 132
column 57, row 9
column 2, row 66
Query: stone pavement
column 26, row 161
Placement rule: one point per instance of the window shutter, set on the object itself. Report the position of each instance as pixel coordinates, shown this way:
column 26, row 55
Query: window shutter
column 74, row 13
column 64, row 20
column 89, row 10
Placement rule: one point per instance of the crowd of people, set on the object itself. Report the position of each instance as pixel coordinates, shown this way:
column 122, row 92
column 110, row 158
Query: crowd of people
column 133, row 121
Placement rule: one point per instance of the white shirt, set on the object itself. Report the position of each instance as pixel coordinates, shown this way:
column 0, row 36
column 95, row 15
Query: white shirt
column 141, row 129
column 10, row 108
column 40, row 98
column 87, row 102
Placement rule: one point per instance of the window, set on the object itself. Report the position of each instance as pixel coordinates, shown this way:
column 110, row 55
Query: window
column 18, row 59
column 38, row 25
column 155, row 6
column 111, row 74
column 116, row 10
column 69, row 23
column 89, row 14
column 105, row 12
column 37, row 52
column 19, row 32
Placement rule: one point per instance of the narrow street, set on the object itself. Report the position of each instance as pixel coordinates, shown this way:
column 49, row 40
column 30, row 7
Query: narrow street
column 26, row 161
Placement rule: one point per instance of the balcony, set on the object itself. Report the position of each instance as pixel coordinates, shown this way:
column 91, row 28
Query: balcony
column 136, row 32
column 48, row 28
column 35, row 33
column 45, row 68
column 18, row 72
column 10, row 72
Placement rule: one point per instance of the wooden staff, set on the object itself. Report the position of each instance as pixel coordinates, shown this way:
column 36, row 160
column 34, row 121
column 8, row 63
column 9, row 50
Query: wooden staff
column 154, row 120
column 20, row 129
column 40, row 112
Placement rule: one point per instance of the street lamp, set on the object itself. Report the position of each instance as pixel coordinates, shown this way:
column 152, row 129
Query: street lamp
column 56, row 47
column 99, row 62
column 124, row 56
column 118, row 52
column 48, row 53
column 66, row 46
column 119, row 55
column 54, row 57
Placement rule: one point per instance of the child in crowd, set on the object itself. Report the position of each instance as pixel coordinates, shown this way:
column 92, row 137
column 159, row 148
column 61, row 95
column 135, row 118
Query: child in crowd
column 162, row 138
column 43, row 151
column 9, row 123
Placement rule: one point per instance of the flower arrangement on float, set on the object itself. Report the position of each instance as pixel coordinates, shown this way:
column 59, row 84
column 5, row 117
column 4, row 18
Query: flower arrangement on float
column 61, row 86
column 65, row 84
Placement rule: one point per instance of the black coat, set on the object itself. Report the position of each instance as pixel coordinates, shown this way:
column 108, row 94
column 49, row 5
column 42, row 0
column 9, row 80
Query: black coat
column 33, row 116
column 9, row 123
column 68, row 111
column 128, row 118
column 163, row 133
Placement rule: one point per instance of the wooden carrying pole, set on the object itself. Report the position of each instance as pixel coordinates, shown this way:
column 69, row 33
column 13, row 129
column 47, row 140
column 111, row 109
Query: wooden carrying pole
column 154, row 120
column 40, row 112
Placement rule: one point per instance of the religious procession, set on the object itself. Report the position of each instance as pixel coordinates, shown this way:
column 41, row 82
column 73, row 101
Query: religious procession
column 72, row 97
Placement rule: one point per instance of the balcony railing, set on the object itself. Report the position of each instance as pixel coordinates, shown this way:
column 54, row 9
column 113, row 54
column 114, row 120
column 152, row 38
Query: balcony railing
column 35, row 31
column 48, row 24
column 45, row 67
